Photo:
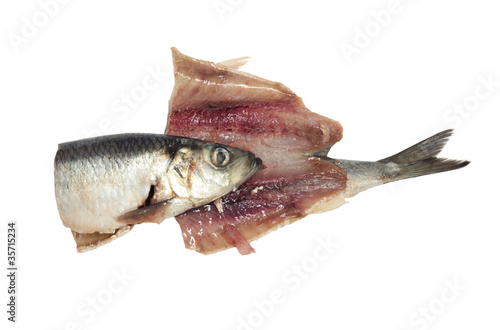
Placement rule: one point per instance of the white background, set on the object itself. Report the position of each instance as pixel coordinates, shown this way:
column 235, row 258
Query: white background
column 400, row 245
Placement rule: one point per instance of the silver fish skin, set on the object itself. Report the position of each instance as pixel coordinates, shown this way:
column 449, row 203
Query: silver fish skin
column 107, row 184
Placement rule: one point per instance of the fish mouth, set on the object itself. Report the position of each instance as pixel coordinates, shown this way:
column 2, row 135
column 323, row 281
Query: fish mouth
column 256, row 164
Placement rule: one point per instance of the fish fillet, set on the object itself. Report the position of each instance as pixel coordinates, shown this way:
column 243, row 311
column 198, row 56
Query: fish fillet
column 219, row 103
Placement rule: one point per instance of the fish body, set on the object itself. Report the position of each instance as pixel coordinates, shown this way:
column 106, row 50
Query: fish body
column 105, row 185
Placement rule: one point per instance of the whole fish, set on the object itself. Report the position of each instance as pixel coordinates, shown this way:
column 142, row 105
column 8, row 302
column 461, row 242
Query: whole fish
column 106, row 185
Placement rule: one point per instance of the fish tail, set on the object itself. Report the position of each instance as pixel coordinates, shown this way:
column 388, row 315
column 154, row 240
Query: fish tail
column 421, row 158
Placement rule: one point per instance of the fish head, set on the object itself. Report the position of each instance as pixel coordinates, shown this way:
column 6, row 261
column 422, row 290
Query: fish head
column 206, row 171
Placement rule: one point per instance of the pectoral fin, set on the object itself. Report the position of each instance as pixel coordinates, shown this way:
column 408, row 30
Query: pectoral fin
column 87, row 242
column 152, row 213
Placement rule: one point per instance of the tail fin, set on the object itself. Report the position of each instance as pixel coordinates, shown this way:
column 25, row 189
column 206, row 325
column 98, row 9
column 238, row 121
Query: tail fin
column 420, row 159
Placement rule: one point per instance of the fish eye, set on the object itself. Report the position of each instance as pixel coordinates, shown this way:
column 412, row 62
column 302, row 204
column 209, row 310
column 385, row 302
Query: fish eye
column 220, row 157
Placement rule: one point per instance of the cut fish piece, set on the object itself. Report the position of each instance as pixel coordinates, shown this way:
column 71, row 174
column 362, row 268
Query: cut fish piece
column 107, row 183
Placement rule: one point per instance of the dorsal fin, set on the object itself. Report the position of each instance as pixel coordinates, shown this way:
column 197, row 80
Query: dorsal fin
column 201, row 84
column 235, row 63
